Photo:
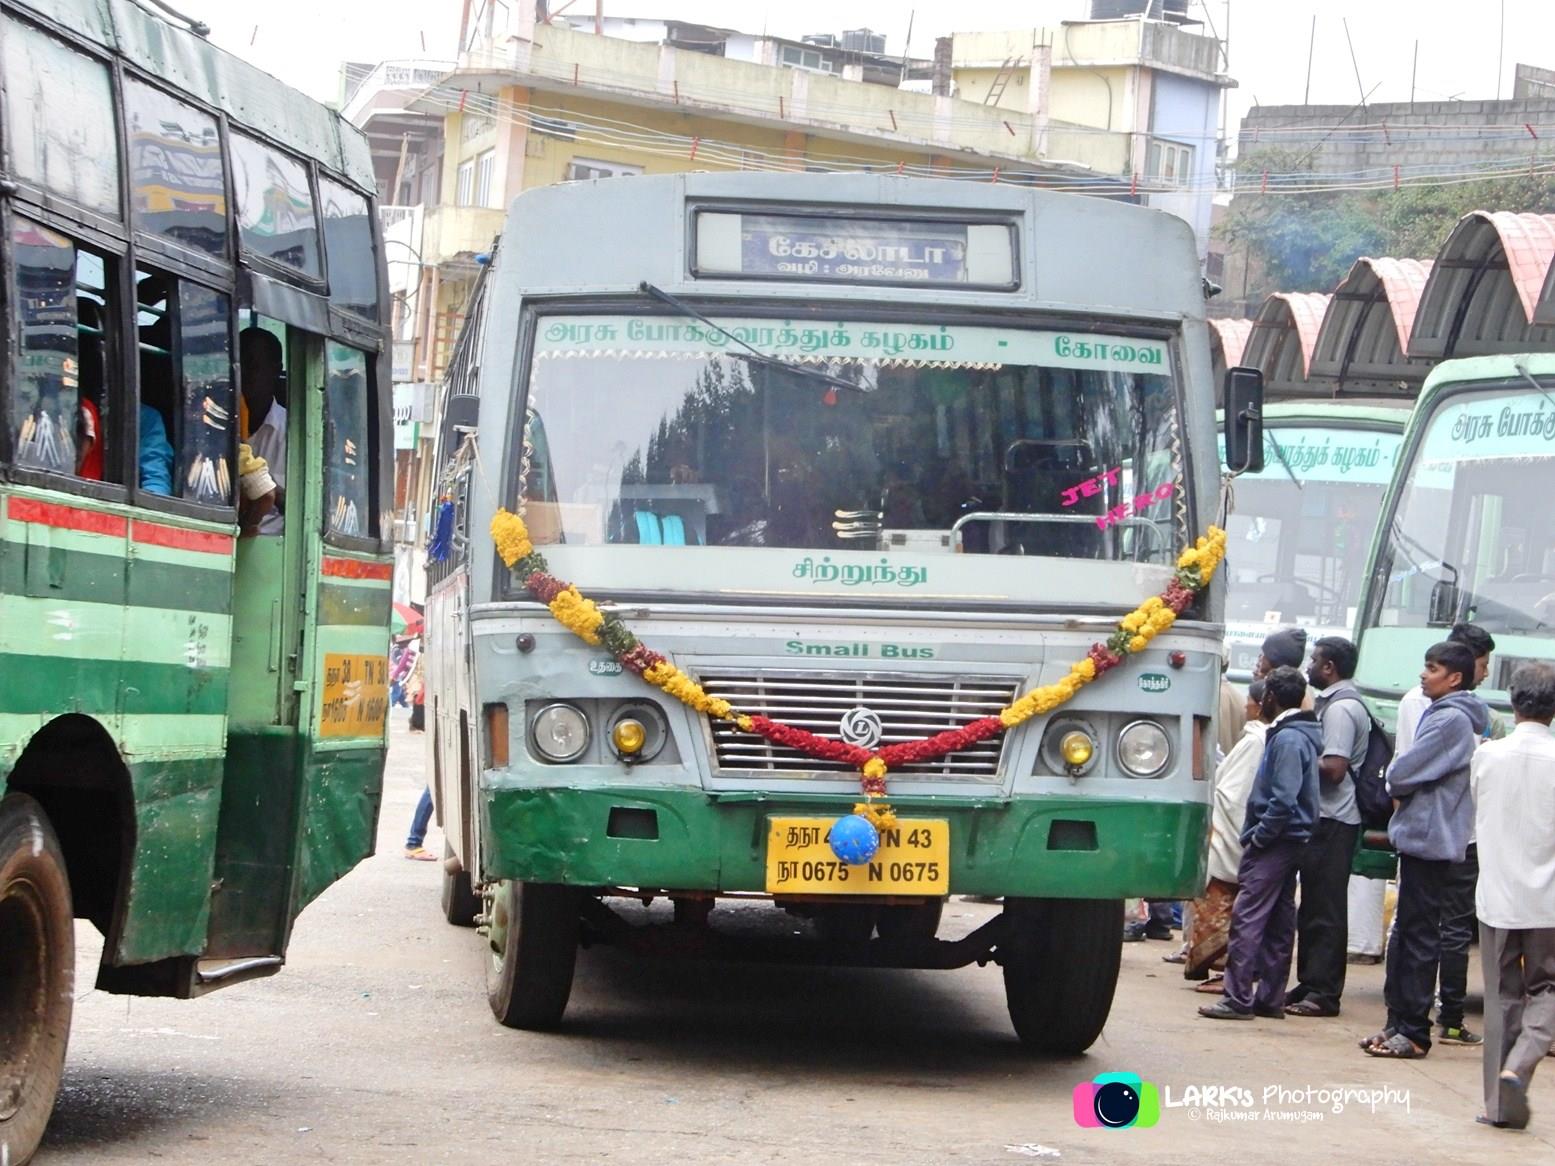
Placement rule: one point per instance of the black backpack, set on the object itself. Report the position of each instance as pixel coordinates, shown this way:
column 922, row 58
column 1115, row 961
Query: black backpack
column 1371, row 788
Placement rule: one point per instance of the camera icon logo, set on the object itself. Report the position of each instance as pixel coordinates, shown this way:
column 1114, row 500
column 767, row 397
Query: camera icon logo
column 1116, row 1101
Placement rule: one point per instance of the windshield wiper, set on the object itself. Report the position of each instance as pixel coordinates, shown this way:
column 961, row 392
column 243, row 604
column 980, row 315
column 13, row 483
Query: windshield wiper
column 1279, row 452
column 752, row 353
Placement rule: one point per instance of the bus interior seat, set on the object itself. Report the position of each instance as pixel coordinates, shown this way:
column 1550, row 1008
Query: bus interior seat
column 650, row 531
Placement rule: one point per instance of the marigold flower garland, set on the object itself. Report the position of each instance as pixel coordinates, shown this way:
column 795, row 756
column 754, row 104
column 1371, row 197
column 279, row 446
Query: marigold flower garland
column 579, row 615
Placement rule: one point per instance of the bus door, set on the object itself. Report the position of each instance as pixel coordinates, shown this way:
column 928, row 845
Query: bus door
column 282, row 367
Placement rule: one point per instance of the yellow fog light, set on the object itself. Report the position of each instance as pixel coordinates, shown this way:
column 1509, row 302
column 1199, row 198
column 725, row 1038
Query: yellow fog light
column 628, row 736
column 1076, row 748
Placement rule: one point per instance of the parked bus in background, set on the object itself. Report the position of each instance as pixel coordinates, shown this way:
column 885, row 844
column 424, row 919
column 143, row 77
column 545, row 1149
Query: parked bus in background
column 1299, row 531
column 1467, row 531
column 191, row 723
column 851, row 464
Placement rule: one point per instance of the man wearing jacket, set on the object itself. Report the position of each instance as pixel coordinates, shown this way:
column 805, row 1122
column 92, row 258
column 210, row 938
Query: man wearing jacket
column 1282, row 812
column 1432, row 820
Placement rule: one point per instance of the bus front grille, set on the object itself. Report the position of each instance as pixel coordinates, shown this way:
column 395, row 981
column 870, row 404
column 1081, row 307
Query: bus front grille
column 909, row 707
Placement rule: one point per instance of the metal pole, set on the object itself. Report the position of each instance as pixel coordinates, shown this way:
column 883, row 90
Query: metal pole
column 1501, row 50
column 1306, row 94
column 1413, row 69
column 1360, row 88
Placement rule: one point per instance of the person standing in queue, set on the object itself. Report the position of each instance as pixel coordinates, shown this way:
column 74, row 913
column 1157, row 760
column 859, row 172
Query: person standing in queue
column 1513, row 786
column 1323, row 923
column 1282, row 810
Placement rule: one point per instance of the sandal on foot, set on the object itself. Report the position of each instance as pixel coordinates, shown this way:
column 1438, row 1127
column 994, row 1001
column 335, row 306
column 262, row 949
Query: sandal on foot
column 1399, row 1047
column 1376, row 1038
column 1309, row 1007
column 419, row 854
column 1214, row 986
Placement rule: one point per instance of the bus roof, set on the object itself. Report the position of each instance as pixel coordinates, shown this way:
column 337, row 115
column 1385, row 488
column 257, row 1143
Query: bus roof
column 1095, row 255
column 1486, row 368
column 1379, row 415
column 250, row 96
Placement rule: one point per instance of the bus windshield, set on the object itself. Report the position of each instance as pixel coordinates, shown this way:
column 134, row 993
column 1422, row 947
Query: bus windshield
column 1474, row 534
column 654, row 430
column 1301, row 528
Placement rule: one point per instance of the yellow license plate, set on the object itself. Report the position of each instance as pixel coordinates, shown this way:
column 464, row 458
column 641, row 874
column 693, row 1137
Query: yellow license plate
column 913, row 859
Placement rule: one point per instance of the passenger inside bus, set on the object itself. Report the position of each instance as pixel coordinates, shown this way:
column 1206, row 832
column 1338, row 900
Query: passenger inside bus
column 265, row 426
column 155, row 455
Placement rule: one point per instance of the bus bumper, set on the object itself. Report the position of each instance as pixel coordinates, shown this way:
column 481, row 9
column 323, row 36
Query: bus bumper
column 1051, row 847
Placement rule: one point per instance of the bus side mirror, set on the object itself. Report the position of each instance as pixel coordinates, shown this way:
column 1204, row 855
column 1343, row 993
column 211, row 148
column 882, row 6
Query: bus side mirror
column 1244, row 420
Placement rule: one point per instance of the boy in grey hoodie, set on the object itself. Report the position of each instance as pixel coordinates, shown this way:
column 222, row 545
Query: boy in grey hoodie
column 1433, row 818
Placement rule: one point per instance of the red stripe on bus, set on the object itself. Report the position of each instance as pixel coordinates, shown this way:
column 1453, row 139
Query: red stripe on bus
column 357, row 569
column 180, row 539
column 66, row 517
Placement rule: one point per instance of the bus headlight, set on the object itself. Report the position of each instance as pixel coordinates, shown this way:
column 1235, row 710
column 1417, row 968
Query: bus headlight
column 1144, row 748
column 638, row 732
column 560, row 732
column 1076, row 748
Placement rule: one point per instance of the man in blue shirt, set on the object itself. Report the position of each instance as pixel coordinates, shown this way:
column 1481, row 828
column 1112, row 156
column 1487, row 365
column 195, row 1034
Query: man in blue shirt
column 155, row 454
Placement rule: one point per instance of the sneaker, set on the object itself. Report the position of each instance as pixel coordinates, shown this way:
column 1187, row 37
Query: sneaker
column 1458, row 1035
column 1158, row 931
column 1133, row 932
column 1224, row 1010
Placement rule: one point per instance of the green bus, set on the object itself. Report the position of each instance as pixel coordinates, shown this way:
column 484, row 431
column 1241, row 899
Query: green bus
column 192, row 723
column 1299, row 530
column 1466, row 531
column 875, row 468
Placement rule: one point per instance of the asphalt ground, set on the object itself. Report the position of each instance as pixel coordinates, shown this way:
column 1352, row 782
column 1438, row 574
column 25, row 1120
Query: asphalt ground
column 376, row 1044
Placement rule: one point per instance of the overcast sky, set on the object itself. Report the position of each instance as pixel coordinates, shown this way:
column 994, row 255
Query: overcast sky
column 303, row 41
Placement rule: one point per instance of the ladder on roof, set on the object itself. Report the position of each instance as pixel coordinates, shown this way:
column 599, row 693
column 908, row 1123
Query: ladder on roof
column 1001, row 80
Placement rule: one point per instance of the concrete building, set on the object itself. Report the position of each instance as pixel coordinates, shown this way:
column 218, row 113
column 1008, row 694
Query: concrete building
column 1135, row 97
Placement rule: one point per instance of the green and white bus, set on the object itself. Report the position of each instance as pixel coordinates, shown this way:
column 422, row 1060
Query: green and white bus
column 1299, row 530
column 191, row 723
column 866, row 458
column 1466, row 530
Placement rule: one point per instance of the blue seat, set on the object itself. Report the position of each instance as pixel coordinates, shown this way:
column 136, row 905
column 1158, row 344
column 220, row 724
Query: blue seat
column 649, row 532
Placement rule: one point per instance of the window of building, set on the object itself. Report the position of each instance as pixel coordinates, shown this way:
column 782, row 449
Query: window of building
column 797, row 58
column 348, row 244
column 348, row 482
column 64, row 323
column 464, row 183
column 1170, row 163
column 276, row 216
column 177, row 189
column 60, row 130
column 485, row 168
column 582, row 168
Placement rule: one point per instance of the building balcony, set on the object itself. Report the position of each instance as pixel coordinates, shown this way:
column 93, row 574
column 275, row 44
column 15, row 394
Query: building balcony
column 449, row 232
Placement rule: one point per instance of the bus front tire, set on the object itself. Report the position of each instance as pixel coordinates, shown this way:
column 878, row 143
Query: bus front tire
column 37, row 973
column 533, row 949
column 460, row 902
column 1061, row 961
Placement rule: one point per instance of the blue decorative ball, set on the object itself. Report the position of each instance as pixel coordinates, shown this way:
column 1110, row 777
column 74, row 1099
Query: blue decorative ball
column 854, row 839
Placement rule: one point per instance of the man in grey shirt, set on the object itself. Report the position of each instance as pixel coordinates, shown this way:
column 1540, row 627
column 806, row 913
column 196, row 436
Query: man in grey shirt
column 1323, row 922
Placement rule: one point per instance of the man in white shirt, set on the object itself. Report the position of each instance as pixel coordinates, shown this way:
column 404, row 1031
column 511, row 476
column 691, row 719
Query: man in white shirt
column 1513, row 783
column 260, row 353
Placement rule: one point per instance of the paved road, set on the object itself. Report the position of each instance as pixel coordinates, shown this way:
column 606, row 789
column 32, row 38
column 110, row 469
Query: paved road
column 376, row 1045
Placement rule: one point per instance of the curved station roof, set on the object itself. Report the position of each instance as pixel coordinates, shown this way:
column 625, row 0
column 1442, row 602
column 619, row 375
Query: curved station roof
column 1282, row 339
column 1486, row 288
column 1365, row 335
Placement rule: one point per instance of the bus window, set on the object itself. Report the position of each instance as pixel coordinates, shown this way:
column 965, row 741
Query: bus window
column 177, row 189
column 276, row 219
column 186, row 398
column 205, row 356
column 59, row 403
column 59, row 122
column 348, row 244
column 346, row 443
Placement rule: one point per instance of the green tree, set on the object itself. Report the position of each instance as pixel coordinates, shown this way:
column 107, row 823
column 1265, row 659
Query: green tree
column 1418, row 219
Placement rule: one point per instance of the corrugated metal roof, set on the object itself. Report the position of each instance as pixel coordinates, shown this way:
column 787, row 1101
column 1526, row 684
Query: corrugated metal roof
column 1360, row 348
column 1484, row 291
column 1227, row 339
column 1282, row 339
